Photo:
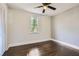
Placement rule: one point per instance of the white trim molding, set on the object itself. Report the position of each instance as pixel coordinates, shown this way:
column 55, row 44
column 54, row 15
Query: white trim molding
column 66, row 44
column 58, row 41
column 29, row 42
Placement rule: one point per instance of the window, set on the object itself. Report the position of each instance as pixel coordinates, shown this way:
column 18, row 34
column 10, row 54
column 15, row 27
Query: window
column 34, row 24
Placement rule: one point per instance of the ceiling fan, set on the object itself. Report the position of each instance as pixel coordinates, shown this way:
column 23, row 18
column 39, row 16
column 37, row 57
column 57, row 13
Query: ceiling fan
column 45, row 6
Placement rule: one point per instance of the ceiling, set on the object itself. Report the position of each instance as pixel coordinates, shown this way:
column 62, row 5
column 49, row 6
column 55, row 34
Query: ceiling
column 60, row 7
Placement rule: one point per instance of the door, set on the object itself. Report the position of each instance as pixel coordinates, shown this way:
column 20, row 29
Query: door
column 1, row 32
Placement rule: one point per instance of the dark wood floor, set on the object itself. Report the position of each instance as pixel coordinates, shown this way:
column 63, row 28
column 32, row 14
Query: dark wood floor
column 47, row 48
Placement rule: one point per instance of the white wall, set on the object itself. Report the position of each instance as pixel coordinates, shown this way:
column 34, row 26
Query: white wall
column 19, row 28
column 65, row 26
column 3, row 39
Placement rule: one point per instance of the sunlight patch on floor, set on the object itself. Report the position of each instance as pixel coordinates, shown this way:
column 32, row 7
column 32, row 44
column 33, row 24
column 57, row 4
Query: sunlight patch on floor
column 34, row 52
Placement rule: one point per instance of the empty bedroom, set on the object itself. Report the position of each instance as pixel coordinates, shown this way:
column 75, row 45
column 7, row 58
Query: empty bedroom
column 39, row 29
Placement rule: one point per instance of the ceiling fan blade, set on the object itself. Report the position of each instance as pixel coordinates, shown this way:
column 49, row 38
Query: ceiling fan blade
column 46, row 4
column 38, row 6
column 53, row 8
column 43, row 11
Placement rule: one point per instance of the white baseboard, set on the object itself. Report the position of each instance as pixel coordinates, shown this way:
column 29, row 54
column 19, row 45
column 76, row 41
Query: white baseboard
column 23, row 43
column 66, row 44
column 60, row 42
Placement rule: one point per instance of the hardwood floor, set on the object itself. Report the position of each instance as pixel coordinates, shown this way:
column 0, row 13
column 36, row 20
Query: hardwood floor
column 47, row 48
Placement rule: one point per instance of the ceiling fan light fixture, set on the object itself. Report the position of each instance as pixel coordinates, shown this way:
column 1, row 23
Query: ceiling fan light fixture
column 45, row 7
